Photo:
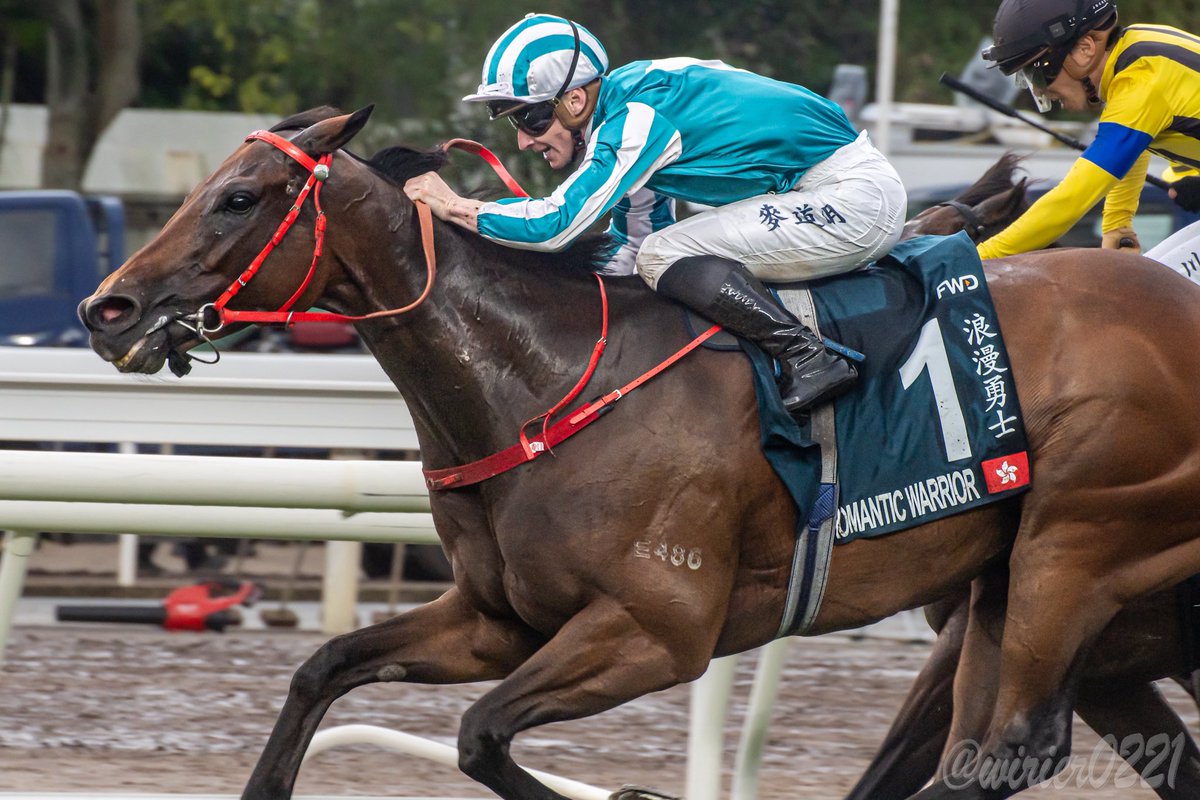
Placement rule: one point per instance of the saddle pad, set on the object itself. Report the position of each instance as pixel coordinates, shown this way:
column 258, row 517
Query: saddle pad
column 933, row 427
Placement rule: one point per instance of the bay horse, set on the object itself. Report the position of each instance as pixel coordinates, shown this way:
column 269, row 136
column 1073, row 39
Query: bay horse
column 553, row 595
column 1145, row 642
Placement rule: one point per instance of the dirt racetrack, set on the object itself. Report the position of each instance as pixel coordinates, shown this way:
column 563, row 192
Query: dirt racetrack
column 105, row 708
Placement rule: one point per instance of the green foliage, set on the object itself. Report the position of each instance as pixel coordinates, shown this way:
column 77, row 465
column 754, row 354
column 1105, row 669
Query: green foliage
column 415, row 59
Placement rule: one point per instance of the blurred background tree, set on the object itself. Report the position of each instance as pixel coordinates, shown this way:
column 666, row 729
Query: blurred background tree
column 415, row 59
column 87, row 56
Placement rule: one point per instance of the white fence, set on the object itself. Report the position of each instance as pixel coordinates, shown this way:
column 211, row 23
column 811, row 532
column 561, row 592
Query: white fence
column 342, row 402
column 265, row 400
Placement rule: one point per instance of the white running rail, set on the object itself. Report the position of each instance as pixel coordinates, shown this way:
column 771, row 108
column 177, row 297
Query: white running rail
column 408, row 744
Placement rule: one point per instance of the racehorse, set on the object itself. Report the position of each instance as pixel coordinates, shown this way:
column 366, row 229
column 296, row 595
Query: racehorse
column 554, row 594
column 1145, row 642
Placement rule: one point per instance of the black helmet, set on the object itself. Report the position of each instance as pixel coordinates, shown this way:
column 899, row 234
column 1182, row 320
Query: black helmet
column 1027, row 29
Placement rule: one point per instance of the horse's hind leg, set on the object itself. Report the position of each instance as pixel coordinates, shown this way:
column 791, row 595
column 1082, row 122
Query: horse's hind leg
column 1054, row 614
column 1138, row 722
column 600, row 659
column 444, row 641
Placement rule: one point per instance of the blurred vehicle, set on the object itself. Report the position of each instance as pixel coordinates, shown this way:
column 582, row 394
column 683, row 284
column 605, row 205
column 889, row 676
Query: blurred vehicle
column 1157, row 218
column 58, row 245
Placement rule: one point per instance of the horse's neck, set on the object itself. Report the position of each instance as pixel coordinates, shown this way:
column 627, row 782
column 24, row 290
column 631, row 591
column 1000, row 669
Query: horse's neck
column 493, row 345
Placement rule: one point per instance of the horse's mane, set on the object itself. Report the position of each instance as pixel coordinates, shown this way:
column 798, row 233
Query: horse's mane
column 399, row 163
column 998, row 178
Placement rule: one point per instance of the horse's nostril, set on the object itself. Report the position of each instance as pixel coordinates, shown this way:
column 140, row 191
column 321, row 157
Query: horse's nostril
column 109, row 310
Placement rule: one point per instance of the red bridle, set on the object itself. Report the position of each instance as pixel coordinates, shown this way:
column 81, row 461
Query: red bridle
column 318, row 170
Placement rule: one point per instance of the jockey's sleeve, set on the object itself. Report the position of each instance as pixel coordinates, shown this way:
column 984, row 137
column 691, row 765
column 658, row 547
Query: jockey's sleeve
column 621, row 155
column 1121, row 202
column 1107, row 159
column 633, row 219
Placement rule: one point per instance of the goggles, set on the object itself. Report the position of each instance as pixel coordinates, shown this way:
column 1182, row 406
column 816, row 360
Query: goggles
column 1038, row 74
column 531, row 118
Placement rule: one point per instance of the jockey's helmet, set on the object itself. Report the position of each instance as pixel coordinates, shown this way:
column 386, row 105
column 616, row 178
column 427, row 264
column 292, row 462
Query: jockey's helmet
column 539, row 59
column 1031, row 38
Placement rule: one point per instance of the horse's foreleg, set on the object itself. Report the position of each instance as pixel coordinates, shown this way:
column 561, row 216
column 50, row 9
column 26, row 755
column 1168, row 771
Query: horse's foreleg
column 909, row 754
column 445, row 641
column 1139, row 723
column 600, row 659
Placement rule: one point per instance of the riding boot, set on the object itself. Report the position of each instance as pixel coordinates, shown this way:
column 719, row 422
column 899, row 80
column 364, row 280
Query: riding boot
column 725, row 292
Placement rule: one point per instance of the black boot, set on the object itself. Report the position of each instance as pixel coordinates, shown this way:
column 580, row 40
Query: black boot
column 726, row 293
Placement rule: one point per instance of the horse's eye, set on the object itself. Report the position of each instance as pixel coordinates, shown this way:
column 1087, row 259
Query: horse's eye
column 240, row 202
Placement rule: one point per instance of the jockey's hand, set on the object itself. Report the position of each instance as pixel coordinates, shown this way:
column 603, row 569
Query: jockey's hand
column 1121, row 239
column 442, row 200
column 1186, row 193
column 432, row 190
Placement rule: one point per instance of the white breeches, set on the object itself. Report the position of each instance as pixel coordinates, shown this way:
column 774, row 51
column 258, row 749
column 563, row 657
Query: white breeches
column 847, row 210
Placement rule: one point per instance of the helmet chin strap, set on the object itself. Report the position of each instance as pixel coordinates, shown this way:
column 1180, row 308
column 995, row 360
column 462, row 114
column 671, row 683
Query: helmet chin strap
column 1093, row 94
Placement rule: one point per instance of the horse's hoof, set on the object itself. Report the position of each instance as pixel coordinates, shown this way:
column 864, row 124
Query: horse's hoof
column 640, row 793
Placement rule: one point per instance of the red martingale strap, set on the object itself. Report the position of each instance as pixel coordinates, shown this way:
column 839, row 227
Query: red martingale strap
column 597, row 351
column 493, row 465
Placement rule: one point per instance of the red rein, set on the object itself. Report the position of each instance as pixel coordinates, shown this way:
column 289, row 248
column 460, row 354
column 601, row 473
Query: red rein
column 454, row 477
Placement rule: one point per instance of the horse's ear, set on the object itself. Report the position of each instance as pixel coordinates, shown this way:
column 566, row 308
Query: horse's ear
column 330, row 135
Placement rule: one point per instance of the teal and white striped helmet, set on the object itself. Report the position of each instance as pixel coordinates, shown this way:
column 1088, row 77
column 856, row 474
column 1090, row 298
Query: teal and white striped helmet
column 531, row 62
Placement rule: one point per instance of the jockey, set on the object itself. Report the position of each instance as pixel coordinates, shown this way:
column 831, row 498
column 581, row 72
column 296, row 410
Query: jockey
column 1147, row 80
column 797, row 192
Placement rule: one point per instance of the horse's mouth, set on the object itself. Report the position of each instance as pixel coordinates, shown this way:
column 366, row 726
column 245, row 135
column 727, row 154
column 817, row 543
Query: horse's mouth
column 146, row 355
column 148, row 352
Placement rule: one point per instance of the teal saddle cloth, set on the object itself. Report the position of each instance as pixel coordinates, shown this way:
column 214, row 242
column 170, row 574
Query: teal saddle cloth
column 932, row 427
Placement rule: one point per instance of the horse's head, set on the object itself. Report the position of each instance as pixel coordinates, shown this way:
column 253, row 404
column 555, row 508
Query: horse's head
column 984, row 209
column 161, row 300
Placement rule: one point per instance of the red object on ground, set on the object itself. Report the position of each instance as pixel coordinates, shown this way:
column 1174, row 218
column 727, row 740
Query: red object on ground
column 206, row 605
column 202, row 606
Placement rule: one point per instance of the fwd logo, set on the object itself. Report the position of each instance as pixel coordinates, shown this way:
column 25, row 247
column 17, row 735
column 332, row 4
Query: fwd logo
column 963, row 283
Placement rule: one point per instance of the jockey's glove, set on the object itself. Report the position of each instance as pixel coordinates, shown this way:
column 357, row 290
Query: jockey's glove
column 1121, row 239
column 1186, row 192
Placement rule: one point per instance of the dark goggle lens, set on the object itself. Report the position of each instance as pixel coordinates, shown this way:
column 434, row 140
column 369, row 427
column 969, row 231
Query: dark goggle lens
column 1043, row 72
column 500, row 108
column 533, row 120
